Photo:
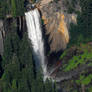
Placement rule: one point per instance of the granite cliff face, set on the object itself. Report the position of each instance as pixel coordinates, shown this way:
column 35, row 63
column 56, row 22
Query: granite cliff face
column 57, row 19
column 56, row 16
column 1, row 36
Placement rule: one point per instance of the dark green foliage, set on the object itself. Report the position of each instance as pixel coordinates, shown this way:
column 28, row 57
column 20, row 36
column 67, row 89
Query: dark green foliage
column 20, row 8
column 75, row 58
column 84, row 80
column 82, row 56
column 70, row 5
column 11, row 7
column 11, row 45
column 3, row 8
column 82, row 33
column 19, row 71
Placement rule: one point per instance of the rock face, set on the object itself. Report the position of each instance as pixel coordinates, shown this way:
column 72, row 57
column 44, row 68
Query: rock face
column 1, row 37
column 57, row 20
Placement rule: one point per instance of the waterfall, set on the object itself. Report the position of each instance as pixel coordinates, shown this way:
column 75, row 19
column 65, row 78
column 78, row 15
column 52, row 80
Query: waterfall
column 35, row 36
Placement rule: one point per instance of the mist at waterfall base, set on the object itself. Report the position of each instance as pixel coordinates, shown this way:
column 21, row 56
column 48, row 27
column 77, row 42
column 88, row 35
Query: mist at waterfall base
column 35, row 36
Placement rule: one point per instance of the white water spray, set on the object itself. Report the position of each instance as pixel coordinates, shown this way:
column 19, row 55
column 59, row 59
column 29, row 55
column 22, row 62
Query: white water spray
column 35, row 35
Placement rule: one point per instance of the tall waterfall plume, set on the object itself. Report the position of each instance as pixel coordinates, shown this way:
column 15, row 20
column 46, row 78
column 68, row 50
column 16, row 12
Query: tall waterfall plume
column 35, row 35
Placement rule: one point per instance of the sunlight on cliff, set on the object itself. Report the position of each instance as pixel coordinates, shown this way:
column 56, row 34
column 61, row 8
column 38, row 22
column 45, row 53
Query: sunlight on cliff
column 57, row 30
column 44, row 19
column 63, row 28
column 74, row 18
